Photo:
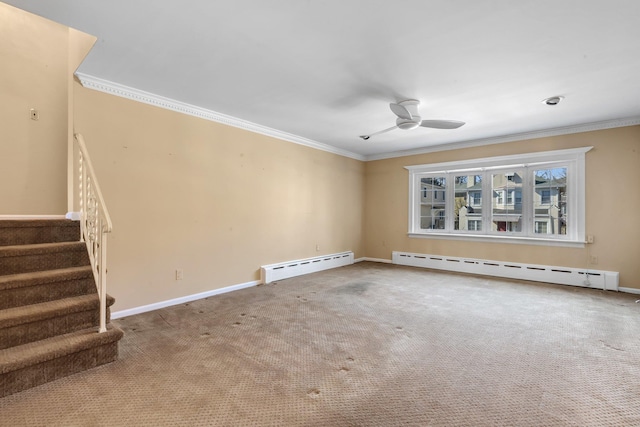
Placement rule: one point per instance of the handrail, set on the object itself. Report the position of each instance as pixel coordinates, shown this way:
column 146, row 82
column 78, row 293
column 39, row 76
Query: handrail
column 95, row 223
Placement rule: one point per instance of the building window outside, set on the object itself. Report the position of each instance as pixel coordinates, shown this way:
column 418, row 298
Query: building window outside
column 539, row 196
column 475, row 225
column 541, row 227
column 545, row 196
column 475, row 198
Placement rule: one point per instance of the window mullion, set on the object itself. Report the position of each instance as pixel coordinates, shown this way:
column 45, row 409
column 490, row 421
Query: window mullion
column 450, row 203
column 527, row 202
column 487, row 200
column 414, row 197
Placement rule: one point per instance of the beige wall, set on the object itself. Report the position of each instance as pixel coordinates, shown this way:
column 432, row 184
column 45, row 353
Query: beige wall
column 38, row 60
column 213, row 200
column 613, row 203
column 33, row 74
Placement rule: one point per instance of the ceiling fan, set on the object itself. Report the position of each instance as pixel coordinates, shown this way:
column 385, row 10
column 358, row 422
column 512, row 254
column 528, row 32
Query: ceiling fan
column 408, row 118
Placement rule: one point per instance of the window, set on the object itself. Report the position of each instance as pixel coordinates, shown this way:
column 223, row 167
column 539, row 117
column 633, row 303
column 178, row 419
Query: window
column 475, row 198
column 475, row 225
column 532, row 198
column 432, row 209
column 506, row 216
column 467, row 201
column 545, row 197
column 510, row 194
column 541, row 227
column 550, row 201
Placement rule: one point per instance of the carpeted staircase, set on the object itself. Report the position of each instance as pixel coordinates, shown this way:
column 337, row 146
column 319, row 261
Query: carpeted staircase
column 49, row 307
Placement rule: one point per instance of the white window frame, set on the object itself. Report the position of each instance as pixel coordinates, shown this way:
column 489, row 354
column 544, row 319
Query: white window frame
column 572, row 159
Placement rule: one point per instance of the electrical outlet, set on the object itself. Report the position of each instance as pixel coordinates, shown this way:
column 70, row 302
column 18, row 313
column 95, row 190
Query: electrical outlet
column 590, row 238
column 179, row 274
column 33, row 113
column 593, row 259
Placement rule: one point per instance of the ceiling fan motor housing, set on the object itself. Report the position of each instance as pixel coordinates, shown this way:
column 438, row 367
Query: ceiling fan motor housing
column 412, row 107
column 408, row 124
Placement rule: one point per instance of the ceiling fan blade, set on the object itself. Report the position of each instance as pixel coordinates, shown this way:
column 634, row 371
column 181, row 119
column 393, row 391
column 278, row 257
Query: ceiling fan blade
column 441, row 124
column 365, row 137
column 400, row 111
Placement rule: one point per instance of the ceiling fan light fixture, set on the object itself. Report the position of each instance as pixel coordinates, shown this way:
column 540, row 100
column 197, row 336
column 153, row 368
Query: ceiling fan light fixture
column 408, row 124
column 554, row 100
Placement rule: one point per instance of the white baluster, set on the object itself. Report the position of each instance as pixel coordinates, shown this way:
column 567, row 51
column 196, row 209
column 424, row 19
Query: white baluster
column 94, row 224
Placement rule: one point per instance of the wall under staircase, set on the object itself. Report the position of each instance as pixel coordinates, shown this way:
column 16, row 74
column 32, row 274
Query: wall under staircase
column 49, row 307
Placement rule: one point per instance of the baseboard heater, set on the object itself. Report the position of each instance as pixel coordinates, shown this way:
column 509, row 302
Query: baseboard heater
column 284, row 270
column 587, row 278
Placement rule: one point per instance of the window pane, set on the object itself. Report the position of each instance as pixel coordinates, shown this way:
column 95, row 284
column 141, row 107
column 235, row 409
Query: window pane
column 506, row 213
column 468, row 202
column 432, row 203
column 550, row 201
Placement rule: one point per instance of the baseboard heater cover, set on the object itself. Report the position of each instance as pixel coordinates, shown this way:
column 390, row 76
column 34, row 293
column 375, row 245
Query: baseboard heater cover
column 284, row 270
column 597, row 279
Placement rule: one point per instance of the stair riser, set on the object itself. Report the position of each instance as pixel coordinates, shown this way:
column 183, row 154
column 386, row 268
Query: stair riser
column 34, row 375
column 20, row 296
column 43, row 261
column 34, row 235
column 42, row 329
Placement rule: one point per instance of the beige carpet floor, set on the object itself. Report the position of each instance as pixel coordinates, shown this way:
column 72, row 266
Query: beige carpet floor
column 365, row 345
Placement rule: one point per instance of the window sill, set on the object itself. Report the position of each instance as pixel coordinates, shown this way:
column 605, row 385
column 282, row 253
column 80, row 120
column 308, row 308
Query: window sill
column 501, row 239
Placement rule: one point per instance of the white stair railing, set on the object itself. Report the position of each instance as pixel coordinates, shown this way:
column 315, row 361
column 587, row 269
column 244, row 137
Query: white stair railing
column 95, row 222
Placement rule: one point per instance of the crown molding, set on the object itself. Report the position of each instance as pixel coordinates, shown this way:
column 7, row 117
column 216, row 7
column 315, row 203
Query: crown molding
column 116, row 89
column 565, row 130
column 123, row 91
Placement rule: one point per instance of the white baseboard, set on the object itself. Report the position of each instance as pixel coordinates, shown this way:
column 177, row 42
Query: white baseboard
column 181, row 300
column 20, row 217
column 630, row 290
column 382, row 260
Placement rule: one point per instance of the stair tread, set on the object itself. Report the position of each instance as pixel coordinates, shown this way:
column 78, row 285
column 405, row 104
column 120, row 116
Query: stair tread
column 42, row 222
column 21, row 356
column 37, row 248
column 18, row 280
column 46, row 310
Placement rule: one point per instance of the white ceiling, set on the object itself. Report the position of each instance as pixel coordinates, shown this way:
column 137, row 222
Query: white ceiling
column 326, row 70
